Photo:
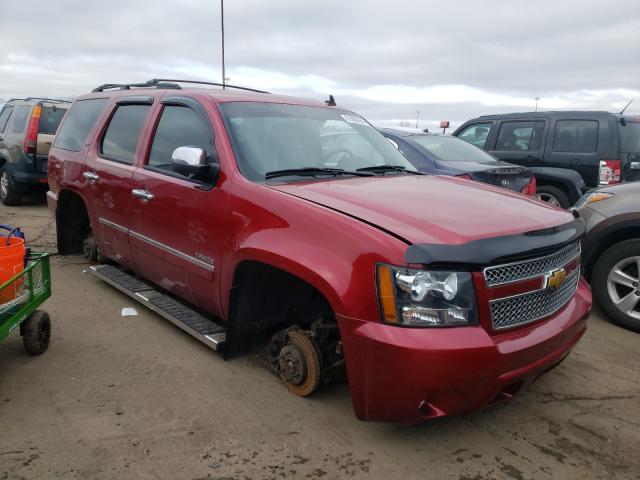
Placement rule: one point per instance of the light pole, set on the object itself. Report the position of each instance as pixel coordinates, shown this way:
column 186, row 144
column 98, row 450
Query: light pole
column 224, row 78
column 417, row 117
column 537, row 99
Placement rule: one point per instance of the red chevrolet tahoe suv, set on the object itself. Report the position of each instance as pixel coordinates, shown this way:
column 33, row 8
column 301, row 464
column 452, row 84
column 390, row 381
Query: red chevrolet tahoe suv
column 227, row 212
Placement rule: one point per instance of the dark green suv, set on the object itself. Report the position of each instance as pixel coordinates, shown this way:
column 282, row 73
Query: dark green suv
column 27, row 129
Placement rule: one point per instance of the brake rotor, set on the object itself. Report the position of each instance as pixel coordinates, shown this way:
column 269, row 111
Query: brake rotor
column 299, row 364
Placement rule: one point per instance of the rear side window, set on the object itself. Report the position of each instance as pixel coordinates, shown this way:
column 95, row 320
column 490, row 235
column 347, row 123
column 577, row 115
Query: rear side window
column 476, row 134
column 576, row 136
column 75, row 129
column 178, row 127
column 20, row 118
column 519, row 136
column 4, row 118
column 121, row 138
column 629, row 136
column 50, row 120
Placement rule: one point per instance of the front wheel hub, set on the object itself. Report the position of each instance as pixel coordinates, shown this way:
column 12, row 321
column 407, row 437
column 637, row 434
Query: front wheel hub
column 291, row 364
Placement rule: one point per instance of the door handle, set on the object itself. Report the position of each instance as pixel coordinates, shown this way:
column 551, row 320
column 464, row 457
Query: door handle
column 92, row 177
column 143, row 195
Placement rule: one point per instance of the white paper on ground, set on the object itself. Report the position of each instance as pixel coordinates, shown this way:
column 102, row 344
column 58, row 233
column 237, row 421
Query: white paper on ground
column 129, row 312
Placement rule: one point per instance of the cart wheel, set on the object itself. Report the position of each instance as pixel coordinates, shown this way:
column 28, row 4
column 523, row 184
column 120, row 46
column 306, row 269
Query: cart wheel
column 36, row 331
column 299, row 364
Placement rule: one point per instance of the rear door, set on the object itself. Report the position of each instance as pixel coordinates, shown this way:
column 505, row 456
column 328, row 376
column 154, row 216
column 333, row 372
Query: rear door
column 578, row 144
column 108, row 171
column 178, row 223
column 519, row 141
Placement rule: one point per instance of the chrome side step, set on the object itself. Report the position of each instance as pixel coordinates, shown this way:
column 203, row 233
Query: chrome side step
column 196, row 325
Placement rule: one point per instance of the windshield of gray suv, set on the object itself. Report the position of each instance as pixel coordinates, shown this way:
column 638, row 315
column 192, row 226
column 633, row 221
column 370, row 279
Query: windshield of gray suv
column 271, row 139
column 450, row 149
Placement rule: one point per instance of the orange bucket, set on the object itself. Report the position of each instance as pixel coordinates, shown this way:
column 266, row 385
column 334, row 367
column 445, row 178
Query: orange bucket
column 12, row 254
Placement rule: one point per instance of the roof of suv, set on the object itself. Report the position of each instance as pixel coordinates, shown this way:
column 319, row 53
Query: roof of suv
column 36, row 100
column 544, row 114
column 163, row 87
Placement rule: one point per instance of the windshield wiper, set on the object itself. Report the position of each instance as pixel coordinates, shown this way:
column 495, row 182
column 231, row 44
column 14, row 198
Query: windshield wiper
column 382, row 169
column 312, row 171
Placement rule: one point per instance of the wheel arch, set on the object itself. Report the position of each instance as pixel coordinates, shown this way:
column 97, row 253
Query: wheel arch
column 72, row 221
column 605, row 239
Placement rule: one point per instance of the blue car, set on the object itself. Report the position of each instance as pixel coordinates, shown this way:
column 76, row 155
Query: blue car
column 446, row 155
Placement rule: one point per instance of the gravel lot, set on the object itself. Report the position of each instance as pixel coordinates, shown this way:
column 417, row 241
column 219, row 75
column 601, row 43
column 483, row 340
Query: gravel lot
column 136, row 397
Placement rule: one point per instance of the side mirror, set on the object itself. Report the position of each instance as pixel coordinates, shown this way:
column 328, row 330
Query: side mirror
column 190, row 161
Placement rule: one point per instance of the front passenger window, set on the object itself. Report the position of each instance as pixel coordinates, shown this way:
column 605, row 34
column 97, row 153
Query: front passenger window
column 178, row 127
column 476, row 134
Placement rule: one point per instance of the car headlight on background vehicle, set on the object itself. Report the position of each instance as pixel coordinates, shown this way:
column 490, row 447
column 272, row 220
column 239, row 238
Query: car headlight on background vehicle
column 425, row 298
column 593, row 198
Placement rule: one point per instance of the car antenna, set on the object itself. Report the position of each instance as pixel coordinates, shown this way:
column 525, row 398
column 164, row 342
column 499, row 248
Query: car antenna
column 331, row 102
column 626, row 106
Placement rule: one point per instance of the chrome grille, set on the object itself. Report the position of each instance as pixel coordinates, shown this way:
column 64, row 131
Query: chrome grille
column 513, row 272
column 529, row 307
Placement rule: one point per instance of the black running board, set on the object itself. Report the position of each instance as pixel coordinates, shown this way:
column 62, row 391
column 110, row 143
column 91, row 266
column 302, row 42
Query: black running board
column 182, row 316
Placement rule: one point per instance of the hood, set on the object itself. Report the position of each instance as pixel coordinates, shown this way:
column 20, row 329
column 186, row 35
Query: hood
column 430, row 209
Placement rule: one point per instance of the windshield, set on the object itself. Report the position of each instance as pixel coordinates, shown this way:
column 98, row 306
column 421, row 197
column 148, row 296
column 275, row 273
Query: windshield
column 270, row 137
column 450, row 149
column 630, row 136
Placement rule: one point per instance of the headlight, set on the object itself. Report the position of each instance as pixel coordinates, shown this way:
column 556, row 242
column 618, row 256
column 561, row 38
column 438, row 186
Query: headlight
column 593, row 198
column 425, row 298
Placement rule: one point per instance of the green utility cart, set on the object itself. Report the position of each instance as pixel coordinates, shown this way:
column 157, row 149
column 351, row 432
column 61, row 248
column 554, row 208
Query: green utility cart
column 29, row 289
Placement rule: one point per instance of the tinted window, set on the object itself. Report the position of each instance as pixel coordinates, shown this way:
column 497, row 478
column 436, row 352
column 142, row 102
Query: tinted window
column 476, row 134
column 629, row 136
column 178, row 127
column 577, row 136
column 50, row 120
column 122, row 135
column 449, row 149
column 519, row 136
column 20, row 118
column 4, row 117
column 77, row 125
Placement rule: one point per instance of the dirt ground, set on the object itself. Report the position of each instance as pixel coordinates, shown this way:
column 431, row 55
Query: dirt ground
column 135, row 397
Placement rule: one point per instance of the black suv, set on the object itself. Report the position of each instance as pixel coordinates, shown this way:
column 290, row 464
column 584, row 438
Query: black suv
column 27, row 130
column 603, row 148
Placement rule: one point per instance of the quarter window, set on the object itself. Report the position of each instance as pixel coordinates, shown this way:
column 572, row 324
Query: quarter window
column 20, row 118
column 121, row 138
column 77, row 125
column 519, row 136
column 4, row 118
column 476, row 134
column 178, row 127
column 576, row 136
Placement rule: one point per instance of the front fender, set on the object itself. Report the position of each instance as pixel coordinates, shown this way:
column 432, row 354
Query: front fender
column 334, row 253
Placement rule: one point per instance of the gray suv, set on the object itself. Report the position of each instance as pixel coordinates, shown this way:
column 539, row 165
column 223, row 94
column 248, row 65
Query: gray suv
column 27, row 129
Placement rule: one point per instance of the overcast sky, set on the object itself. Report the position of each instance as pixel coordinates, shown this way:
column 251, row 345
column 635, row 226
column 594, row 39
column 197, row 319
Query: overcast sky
column 387, row 60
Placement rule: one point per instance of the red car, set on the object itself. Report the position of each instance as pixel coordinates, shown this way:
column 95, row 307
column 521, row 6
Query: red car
column 440, row 295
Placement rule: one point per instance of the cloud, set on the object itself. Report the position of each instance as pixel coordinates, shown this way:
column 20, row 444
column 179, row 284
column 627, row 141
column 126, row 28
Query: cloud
column 452, row 60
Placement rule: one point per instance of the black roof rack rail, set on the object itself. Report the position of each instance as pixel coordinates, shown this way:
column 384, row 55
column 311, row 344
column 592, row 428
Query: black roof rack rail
column 38, row 98
column 156, row 81
column 48, row 99
column 128, row 86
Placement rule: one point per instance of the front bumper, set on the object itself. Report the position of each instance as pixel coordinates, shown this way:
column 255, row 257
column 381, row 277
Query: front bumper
column 411, row 375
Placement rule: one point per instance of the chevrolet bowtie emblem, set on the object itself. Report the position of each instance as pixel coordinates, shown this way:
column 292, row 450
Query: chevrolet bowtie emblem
column 555, row 279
